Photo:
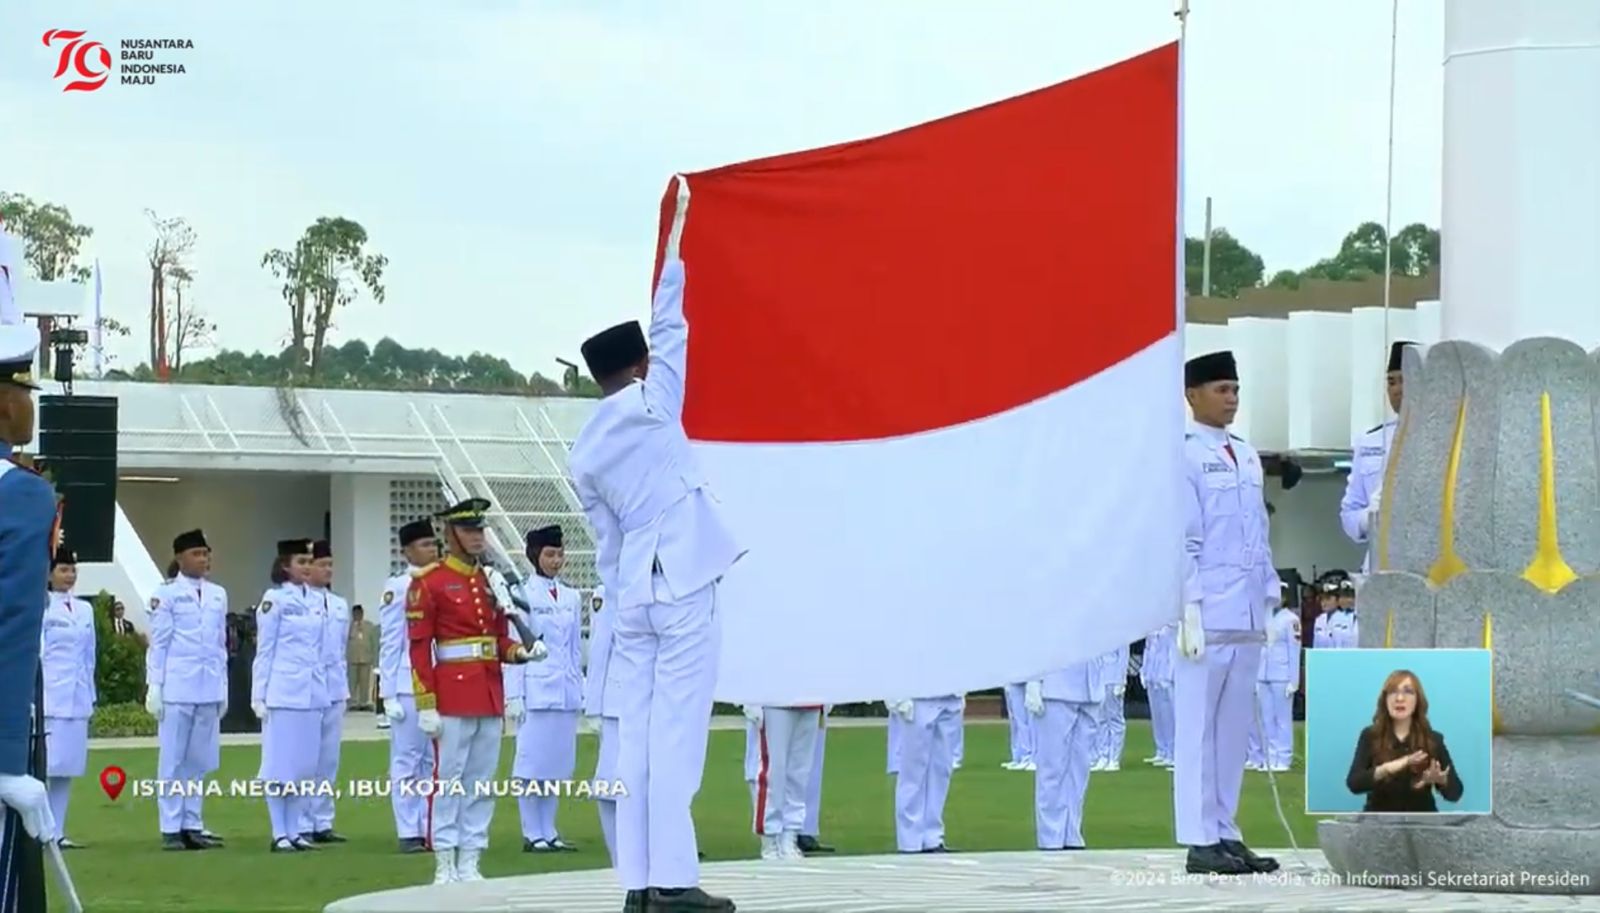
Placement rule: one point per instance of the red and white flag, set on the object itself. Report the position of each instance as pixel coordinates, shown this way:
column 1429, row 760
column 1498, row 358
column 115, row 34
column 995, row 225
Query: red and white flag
column 933, row 377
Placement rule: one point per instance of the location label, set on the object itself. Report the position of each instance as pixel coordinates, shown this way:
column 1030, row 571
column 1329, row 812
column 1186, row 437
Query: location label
column 112, row 780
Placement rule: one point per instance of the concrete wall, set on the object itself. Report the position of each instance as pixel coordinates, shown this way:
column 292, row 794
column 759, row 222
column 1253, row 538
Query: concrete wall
column 243, row 515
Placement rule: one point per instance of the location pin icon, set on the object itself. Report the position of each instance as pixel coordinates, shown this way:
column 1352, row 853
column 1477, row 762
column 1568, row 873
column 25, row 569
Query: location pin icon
column 112, row 779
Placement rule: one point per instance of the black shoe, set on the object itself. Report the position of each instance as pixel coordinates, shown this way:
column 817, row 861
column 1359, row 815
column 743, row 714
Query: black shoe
column 328, row 836
column 200, row 840
column 67, row 844
column 701, row 856
column 941, row 848
column 562, row 846
column 1214, row 860
column 634, row 902
column 1243, row 853
column 413, row 845
column 684, row 900
column 173, row 842
column 811, row 846
column 302, row 844
column 538, row 846
column 284, row 845
column 207, row 835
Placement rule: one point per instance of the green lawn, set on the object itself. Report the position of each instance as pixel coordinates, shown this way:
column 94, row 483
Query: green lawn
column 124, row 868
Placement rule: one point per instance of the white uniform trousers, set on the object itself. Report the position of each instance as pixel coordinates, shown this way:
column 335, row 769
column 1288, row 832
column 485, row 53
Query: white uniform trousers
column 317, row 812
column 605, row 769
column 469, row 754
column 960, row 746
column 1113, row 729
column 1255, row 754
column 291, row 745
column 1161, row 721
column 787, row 746
column 897, row 725
column 1022, row 724
column 812, row 825
column 189, row 736
column 1066, row 743
column 1214, row 700
column 66, row 743
column 927, row 749
column 1277, row 723
column 547, row 749
column 665, row 660
column 413, row 759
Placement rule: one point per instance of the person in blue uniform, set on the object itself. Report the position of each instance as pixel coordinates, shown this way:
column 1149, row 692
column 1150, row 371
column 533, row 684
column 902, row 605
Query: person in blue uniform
column 28, row 525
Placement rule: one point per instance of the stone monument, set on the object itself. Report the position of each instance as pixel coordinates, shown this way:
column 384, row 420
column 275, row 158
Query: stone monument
column 1489, row 530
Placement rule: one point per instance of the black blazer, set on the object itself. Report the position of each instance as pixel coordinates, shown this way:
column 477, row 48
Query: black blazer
column 1397, row 794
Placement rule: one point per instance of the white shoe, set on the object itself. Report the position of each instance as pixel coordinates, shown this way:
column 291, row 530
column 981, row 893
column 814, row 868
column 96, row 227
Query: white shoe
column 771, row 849
column 1279, row 768
column 1251, row 765
column 1028, row 765
column 467, row 865
column 444, row 867
column 789, row 847
column 1099, row 764
column 1112, row 766
column 1011, row 765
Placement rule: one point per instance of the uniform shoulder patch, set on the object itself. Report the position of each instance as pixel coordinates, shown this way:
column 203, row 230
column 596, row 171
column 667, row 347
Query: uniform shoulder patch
column 155, row 603
column 388, row 597
column 266, row 606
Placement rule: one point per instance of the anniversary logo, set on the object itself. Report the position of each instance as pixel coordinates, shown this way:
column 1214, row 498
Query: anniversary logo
column 86, row 65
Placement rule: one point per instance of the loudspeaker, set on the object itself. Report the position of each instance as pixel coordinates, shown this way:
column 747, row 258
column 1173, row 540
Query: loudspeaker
column 78, row 451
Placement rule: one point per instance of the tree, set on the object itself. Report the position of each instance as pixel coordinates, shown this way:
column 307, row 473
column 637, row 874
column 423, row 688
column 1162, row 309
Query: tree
column 1414, row 251
column 1234, row 267
column 168, row 253
column 188, row 329
column 326, row 270
column 51, row 239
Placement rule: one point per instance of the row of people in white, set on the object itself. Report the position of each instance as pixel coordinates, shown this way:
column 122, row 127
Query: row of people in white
column 299, row 689
column 1278, row 678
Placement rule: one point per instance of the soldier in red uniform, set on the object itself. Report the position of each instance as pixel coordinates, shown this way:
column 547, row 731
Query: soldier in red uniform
column 459, row 637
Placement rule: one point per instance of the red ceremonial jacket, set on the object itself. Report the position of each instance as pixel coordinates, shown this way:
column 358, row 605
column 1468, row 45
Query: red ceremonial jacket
column 458, row 638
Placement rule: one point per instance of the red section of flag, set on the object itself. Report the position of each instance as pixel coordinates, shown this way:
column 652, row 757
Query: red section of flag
column 936, row 275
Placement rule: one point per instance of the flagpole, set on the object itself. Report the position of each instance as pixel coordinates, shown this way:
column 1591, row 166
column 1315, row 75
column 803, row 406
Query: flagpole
column 1388, row 200
column 99, row 328
column 1181, row 10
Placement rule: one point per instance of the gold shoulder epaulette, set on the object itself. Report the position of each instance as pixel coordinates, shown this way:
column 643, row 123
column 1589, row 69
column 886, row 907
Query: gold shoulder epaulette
column 425, row 571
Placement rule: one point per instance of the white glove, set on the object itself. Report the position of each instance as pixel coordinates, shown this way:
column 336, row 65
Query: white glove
column 28, row 798
column 1191, row 633
column 514, row 711
column 430, row 723
column 753, row 713
column 537, row 652
column 587, row 723
column 905, row 709
column 1118, row 690
column 152, row 702
column 1291, row 688
column 1033, row 698
column 394, row 710
column 259, row 708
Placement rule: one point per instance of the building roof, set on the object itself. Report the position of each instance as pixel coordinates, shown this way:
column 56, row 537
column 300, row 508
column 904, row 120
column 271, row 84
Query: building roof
column 1314, row 295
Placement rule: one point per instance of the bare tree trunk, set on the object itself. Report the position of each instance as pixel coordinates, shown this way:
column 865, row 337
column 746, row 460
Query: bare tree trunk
column 161, row 334
column 155, row 302
column 180, row 326
column 319, row 333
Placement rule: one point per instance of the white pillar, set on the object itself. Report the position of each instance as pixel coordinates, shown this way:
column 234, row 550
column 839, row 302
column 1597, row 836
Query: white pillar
column 359, row 508
column 1521, row 220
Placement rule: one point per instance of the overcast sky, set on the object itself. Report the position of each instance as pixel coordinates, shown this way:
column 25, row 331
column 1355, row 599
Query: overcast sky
column 508, row 157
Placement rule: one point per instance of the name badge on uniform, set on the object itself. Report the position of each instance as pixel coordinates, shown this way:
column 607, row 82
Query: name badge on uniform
column 57, row 623
column 1216, row 467
column 1371, row 451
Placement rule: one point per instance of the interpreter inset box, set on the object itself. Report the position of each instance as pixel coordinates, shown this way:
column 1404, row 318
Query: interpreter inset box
column 1399, row 732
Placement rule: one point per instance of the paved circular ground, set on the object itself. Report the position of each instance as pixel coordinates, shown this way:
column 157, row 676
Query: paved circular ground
column 957, row 883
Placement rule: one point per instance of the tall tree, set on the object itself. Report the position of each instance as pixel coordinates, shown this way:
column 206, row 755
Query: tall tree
column 1414, row 251
column 51, row 239
column 188, row 329
column 169, row 250
column 326, row 270
column 1234, row 267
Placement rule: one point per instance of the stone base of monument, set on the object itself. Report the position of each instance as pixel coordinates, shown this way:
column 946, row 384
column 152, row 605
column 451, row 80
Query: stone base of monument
column 1462, row 853
column 966, row 883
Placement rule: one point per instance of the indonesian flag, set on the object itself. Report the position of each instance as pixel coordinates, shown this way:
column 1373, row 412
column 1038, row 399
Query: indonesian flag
column 932, row 377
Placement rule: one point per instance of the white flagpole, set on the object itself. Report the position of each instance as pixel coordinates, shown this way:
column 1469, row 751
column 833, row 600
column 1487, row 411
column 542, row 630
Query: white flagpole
column 99, row 330
column 1388, row 198
column 1182, row 12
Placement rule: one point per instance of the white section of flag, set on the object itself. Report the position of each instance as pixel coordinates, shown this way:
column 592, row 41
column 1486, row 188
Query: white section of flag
column 958, row 559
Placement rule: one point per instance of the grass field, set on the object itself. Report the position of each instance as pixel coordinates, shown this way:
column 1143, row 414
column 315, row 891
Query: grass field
column 124, row 870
